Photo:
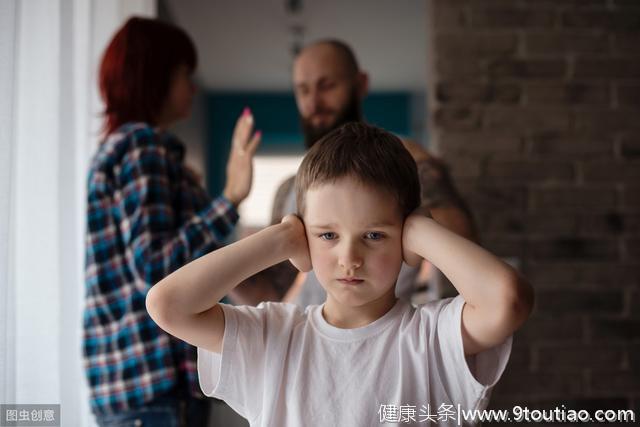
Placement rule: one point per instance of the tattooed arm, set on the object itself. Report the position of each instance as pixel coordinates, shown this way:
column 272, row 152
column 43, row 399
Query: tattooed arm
column 443, row 200
column 439, row 195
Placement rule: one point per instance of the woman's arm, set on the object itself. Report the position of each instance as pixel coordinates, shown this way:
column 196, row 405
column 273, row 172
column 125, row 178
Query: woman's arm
column 498, row 300
column 185, row 303
column 147, row 205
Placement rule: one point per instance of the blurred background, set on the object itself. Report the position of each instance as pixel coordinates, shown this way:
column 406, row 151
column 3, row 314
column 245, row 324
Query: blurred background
column 533, row 104
column 246, row 52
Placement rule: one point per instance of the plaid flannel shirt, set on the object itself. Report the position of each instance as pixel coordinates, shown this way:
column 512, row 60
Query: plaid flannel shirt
column 146, row 216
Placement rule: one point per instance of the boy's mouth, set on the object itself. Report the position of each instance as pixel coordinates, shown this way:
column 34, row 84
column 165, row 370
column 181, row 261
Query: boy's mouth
column 350, row 280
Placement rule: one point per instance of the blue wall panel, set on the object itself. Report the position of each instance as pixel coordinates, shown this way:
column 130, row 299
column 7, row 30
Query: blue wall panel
column 277, row 116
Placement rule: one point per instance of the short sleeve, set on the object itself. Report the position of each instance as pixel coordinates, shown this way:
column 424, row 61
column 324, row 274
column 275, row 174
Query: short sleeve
column 467, row 380
column 254, row 347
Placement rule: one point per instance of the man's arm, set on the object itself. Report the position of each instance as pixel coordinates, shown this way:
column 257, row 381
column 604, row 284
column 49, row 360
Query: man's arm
column 439, row 194
column 185, row 303
column 273, row 283
column 498, row 300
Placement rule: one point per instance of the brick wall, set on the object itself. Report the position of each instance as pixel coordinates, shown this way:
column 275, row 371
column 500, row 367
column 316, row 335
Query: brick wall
column 536, row 108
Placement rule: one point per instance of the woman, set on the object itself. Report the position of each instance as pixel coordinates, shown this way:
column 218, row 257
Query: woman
column 147, row 216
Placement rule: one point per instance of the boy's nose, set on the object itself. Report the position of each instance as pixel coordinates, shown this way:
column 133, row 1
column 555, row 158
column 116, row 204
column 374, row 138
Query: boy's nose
column 350, row 260
column 351, row 264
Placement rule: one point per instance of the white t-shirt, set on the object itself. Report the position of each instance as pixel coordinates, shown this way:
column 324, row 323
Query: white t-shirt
column 283, row 367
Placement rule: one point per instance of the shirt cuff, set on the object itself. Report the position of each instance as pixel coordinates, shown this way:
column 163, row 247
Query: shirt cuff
column 226, row 205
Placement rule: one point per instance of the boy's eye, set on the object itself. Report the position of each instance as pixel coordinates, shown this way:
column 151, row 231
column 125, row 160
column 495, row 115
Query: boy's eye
column 328, row 236
column 373, row 235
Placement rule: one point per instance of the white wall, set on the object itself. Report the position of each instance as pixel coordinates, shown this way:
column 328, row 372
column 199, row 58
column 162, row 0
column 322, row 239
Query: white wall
column 49, row 117
column 245, row 44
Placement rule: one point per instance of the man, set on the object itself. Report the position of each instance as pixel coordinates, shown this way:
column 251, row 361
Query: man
column 329, row 89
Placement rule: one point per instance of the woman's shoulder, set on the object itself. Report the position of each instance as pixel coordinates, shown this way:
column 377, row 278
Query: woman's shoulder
column 133, row 133
column 116, row 147
column 126, row 139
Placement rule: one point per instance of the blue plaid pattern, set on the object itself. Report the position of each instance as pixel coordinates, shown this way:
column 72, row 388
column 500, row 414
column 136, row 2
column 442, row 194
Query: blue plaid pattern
column 146, row 217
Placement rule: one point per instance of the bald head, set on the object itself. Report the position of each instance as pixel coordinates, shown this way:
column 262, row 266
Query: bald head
column 329, row 87
column 340, row 54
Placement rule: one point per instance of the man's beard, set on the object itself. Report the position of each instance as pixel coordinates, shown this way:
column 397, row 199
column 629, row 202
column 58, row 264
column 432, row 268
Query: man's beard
column 351, row 113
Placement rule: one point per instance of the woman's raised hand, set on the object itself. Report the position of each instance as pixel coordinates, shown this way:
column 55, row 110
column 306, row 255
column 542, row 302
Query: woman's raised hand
column 240, row 164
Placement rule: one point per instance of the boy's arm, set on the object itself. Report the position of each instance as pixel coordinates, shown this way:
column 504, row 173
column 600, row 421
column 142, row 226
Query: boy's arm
column 497, row 299
column 185, row 303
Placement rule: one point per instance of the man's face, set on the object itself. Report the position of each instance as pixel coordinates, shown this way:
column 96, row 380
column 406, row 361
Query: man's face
column 354, row 233
column 325, row 91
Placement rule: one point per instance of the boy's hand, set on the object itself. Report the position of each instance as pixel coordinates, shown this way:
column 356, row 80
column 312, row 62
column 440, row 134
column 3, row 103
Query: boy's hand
column 408, row 254
column 299, row 248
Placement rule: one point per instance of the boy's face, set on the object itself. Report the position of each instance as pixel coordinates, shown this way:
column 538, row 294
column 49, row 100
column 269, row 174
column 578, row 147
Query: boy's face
column 355, row 241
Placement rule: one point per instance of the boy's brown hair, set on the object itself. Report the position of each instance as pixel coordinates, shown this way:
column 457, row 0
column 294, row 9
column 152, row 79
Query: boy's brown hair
column 366, row 153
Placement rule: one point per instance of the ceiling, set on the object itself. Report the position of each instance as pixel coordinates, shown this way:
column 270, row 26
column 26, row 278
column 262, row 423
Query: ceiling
column 247, row 44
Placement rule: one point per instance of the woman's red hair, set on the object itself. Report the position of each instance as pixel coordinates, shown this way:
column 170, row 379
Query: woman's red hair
column 137, row 68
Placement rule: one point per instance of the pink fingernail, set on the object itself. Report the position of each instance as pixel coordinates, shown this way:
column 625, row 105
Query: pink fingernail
column 246, row 111
column 258, row 133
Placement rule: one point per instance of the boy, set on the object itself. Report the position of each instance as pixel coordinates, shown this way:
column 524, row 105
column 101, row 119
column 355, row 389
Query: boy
column 363, row 350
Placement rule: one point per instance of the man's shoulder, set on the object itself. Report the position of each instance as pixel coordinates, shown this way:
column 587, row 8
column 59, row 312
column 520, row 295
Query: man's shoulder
column 280, row 199
column 285, row 187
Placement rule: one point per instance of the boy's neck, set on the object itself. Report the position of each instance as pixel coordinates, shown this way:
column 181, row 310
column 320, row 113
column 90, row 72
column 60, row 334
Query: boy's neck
column 349, row 317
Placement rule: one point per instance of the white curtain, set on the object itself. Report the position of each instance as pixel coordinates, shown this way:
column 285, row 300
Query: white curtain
column 49, row 122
